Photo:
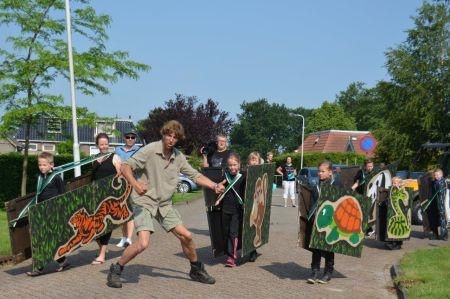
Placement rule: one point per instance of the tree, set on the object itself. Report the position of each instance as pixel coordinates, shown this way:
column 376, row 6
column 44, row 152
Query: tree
column 201, row 122
column 37, row 56
column 418, row 95
column 365, row 105
column 330, row 116
column 266, row 127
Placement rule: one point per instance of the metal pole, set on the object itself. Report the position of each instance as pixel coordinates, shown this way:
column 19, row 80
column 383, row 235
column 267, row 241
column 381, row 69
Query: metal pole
column 76, row 145
column 303, row 139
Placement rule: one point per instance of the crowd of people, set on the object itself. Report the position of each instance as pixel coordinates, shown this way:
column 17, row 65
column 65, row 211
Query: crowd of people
column 153, row 171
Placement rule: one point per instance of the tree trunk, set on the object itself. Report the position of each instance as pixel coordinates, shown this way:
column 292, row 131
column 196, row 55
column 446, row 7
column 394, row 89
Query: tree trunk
column 23, row 188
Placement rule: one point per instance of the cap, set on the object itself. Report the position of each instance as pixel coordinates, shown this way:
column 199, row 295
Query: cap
column 131, row 131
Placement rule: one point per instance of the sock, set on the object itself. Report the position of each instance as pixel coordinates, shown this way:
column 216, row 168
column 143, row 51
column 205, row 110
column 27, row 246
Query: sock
column 121, row 267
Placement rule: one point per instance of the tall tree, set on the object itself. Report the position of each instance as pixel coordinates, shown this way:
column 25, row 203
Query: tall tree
column 419, row 92
column 201, row 121
column 36, row 55
column 330, row 116
column 265, row 127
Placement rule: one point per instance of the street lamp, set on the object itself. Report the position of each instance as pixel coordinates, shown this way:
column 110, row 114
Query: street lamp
column 303, row 136
column 76, row 145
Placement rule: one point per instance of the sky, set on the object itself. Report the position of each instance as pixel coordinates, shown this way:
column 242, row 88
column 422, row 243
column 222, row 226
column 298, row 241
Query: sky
column 297, row 53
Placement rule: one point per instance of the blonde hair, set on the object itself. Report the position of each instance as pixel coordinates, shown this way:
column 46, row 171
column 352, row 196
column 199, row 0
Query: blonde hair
column 47, row 156
column 254, row 155
column 173, row 126
column 398, row 179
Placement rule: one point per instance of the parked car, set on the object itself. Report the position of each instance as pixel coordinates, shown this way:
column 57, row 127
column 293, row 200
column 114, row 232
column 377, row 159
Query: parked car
column 186, row 184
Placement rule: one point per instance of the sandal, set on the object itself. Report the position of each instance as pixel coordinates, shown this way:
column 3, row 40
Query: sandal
column 62, row 266
column 97, row 262
column 35, row 273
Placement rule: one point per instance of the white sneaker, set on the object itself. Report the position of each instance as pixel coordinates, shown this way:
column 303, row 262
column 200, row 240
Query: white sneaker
column 121, row 244
column 127, row 243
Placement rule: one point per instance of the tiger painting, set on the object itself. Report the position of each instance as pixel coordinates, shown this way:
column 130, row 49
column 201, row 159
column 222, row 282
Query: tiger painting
column 86, row 227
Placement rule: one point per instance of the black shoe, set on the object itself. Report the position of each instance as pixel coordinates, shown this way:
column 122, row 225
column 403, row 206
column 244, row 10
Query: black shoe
column 253, row 256
column 198, row 273
column 114, row 276
column 389, row 245
column 314, row 276
column 325, row 278
column 444, row 237
column 432, row 236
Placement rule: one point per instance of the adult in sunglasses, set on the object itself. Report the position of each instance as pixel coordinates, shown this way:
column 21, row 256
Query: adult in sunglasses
column 125, row 152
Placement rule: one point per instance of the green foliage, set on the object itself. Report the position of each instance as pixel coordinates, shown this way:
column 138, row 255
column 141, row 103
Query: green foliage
column 425, row 273
column 36, row 56
column 330, row 116
column 11, row 172
column 266, row 127
column 65, row 147
column 195, row 161
column 184, row 197
column 313, row 159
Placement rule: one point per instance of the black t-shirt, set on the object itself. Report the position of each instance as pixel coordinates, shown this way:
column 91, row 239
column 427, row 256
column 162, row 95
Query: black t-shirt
column 103, row 169
column 219, row 159
column 230, row 202
column 54, row 188
column 288, row 172
column 361, row 178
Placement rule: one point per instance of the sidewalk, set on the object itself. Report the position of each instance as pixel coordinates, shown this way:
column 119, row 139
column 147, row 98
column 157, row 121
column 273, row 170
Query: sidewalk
column 162, row 270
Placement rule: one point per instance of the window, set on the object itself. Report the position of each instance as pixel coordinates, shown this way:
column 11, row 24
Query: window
column 48, row 147
column 32, row 147
column 105, row 127
column 53, row 125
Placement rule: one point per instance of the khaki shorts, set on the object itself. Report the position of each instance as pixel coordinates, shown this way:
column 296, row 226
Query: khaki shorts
column 143, row 219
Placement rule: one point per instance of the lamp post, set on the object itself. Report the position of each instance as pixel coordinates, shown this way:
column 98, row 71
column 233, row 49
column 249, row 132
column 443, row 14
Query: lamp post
column 303, row 136
column 76, row 145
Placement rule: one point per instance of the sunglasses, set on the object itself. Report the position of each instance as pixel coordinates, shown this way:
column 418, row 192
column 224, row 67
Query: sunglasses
column 130, row 137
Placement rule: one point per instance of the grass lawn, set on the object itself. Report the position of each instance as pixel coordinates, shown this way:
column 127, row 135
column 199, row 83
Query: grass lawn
column 5, row 245
column 426, row 273
column 181, row 197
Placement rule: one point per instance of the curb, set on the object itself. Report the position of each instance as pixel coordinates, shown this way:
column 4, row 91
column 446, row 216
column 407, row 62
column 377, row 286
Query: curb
column 401, row 290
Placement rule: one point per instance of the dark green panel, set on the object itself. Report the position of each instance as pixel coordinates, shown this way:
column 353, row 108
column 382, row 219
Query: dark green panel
column 399, row 212
column 102, row 203
column 304, row 205
column 257, row 203
column 333, row 230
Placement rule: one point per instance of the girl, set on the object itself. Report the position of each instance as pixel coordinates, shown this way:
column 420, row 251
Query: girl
column 104, row 167
column 232, row 208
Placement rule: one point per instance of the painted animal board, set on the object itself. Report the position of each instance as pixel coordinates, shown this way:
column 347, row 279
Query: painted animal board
column 64, row 223
column 378, row 178
column 399, row 212
column 305, row 199
column 340, row 221
column 257, row 204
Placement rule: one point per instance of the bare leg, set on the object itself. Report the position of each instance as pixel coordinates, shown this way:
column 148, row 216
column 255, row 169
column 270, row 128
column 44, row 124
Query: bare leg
column 101, row 253
column 128, row 231
column 187, row 243
column 134, row 249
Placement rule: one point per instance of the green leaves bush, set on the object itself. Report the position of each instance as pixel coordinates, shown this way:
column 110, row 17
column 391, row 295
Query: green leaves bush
column 313, row 159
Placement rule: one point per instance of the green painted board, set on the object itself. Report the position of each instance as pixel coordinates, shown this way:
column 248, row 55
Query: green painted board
column 340, row 221
column 62, row 224
column 379, row 177
column 257, row 203
column 305, row 199
column 399, row 211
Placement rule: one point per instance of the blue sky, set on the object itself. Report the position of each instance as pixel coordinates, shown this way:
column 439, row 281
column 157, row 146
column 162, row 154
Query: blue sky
column 293, row 52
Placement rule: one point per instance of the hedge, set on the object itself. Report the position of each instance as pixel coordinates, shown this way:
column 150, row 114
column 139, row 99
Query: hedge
column 313, row 159
column 11, row 174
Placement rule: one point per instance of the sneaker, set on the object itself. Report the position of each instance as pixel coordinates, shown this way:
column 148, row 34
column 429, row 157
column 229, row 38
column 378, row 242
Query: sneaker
column 127, row 243
column 121, row 244
column 253, row 256
column 314, row 277
column 231, row 262
column 325, row 278
column 35, row 273
column 294, row 206
column 198, row 273
column 114, row 276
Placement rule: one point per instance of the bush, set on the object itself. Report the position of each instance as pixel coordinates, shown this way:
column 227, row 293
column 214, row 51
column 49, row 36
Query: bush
column 313, row 159
column 11, row 174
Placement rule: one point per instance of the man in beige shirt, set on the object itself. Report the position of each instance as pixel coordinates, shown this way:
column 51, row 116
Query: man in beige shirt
column 158, row 166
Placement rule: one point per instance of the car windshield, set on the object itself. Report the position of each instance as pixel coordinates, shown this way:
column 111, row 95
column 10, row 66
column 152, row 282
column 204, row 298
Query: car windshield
column 313, row 172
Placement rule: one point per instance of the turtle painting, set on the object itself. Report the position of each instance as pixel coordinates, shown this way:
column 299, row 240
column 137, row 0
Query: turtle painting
column 341, row 220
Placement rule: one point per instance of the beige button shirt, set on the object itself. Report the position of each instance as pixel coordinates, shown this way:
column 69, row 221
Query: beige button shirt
column 160, row 174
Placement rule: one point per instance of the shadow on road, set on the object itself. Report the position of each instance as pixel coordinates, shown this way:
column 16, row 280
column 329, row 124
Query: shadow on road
column 206, row 256
column 293, row 271
column 132, row 273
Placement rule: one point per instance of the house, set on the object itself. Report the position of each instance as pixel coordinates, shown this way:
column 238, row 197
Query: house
column 7, row 145
column 48, row 132
column 360, row 142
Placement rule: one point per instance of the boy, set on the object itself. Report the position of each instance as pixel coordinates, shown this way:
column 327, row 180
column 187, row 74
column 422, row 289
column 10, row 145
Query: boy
column 54, row 188
column 436, row 210
column 325, row 174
